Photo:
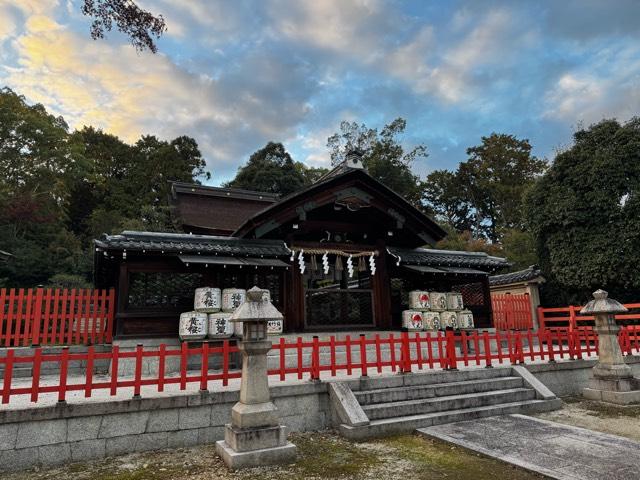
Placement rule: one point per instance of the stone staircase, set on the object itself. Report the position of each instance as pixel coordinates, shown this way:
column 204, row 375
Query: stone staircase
column 401, row 404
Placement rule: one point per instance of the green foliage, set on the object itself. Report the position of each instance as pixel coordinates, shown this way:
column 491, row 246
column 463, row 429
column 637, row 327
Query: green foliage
column 383, row 155
column 66, row 280
column 271, row 169
column 485, row 193
column 60, row 190
column 584, row 215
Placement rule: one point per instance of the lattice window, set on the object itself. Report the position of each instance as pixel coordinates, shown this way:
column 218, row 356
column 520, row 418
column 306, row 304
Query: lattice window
column 162, row 289
column 340, row 308
column 472, row 294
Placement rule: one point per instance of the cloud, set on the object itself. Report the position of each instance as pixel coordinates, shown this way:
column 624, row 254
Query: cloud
column 262, row 96
column 607, row 86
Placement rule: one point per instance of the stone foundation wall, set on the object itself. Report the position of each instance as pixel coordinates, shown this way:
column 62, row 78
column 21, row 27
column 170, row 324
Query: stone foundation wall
column 78, row 432
column 569, row 378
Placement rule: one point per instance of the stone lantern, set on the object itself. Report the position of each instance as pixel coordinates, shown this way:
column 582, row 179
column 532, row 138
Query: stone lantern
column 612, row 379
column 255, row 436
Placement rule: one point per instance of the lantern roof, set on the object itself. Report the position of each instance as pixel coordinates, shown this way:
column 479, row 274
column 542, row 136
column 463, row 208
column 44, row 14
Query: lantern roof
column 601, row 303
column 256, row 308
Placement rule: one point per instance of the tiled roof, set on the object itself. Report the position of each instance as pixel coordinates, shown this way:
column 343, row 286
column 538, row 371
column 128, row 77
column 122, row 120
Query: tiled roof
column 185, row 243
column 515, row 277
column 4, row 255
column 448, row 258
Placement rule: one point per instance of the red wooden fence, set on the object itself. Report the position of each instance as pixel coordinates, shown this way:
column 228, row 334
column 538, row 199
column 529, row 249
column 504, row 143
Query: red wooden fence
column 55, row 316
column 570, row 318
column 404, row 353
column 511, row 312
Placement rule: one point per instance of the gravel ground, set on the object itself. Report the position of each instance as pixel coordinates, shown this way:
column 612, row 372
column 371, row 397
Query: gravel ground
column 320, row 455
column 607, row 418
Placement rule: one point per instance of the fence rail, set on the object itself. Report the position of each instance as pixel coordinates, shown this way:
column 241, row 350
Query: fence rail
column 571, row 319
column 55, row 316
column 511, row 312
column 396, row 353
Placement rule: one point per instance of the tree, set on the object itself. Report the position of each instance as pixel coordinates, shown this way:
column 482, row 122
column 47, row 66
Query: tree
column 584, row 214
column 139, row 25
column 270, row 169
column 60, row 190
column 485, row 193
column 383, row 155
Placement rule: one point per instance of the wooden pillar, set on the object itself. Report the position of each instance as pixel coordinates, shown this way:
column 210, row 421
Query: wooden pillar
column 293, row 300
column 486, row 289
column 382, row 289
column 122, row 292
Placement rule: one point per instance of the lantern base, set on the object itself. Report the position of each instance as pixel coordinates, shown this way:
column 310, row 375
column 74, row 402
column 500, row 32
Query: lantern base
column 256, row 458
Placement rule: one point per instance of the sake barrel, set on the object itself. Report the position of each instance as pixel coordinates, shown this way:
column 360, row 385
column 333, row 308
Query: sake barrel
column 232, row 298
column 412, row 320
column 419, row 300
column 449, row 319
column 207, row 299
column 193, row 326
column 431, row 320
column 454, row 301
column 274, row 327
column 465, row 319
column 438, row 301
column 220, row 325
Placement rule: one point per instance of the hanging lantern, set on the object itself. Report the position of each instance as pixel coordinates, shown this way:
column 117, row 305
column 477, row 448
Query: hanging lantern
column 350, row 266
column 325, row 263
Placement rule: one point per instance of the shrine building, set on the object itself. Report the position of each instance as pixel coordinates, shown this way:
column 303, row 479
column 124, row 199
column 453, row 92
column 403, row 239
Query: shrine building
column 341, row 254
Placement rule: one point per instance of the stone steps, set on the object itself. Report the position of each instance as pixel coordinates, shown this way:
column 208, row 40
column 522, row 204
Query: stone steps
column 451, row 402
column 385, row 406
column 394, row 426
column 399, row 394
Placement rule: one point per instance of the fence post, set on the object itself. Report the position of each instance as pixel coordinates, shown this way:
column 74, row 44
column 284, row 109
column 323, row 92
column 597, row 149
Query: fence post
column 315, row 360
column 541, row 324
column 363, row 355
column 572, row 318
column 405, row 364
column 37, row 318
column 452, row 362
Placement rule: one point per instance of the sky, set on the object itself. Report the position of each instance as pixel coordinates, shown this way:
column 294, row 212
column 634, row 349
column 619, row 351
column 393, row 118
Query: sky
column 236, row 74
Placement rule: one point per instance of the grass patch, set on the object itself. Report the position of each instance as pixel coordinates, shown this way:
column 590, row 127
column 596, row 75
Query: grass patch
column 604, row 410
column 434, row 459
column 324, row 456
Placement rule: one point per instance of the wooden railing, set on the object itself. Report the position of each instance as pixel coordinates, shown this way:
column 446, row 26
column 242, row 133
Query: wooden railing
column 46, row 316
column 511, row 312
column 570, row 318
column 314, row 359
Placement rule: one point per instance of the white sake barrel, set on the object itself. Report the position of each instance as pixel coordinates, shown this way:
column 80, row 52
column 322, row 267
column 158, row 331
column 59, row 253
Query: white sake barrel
column 412, row 320
column 465, row 319
column 449, row 319
column 454, row 301
column 274, row 327
column 419, row 300
column 207, row 299
column 431, row 320
column 438, row 301
column 193, row 326
column 232, row 298
column 220, row 325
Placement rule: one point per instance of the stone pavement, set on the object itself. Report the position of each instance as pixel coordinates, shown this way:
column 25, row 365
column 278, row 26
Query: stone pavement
column 551, row 449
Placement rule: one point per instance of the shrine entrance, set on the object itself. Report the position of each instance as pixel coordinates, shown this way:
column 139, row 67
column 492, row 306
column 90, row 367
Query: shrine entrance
column 336, row 300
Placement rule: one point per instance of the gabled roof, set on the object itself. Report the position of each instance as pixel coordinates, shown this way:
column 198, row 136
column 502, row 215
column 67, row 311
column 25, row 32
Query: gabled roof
column 448, row 258
column 215, row 210
column 526, row 275
column 315, row 194
column 185, row 243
